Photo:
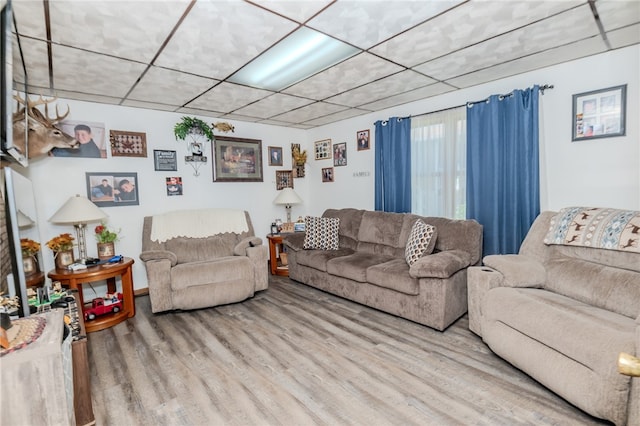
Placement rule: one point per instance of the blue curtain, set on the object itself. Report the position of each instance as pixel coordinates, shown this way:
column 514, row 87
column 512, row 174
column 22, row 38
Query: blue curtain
column 393, row 165
column 503, row 188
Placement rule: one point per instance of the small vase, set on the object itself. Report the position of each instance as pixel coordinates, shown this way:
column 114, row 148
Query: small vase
column 30, row 265
column 63, row 259
column 106, row 250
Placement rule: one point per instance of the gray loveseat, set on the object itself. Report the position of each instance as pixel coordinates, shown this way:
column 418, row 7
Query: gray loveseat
column 562, row 312
column 369, row 266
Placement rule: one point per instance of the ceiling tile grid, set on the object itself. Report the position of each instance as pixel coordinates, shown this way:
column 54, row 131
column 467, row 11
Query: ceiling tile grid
column 273, row 105
column 228, row 97
column 170, row 87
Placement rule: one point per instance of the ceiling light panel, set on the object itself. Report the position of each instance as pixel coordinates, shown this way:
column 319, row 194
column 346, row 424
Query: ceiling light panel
column 300, row 55
column 170, row 87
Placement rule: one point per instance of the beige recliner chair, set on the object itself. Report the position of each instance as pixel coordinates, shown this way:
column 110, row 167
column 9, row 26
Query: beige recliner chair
column 202, row 258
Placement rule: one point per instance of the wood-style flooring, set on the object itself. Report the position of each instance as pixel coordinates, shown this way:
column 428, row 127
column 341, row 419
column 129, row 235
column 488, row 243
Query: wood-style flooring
column 293, row 355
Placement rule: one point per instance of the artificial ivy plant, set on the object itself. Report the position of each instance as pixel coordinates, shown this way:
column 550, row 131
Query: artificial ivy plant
column 188, row 125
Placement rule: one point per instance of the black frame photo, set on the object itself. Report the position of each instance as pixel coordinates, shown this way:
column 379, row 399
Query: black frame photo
column 275, row 155
column 165, row 161
column 107, row 189
column 599, row 113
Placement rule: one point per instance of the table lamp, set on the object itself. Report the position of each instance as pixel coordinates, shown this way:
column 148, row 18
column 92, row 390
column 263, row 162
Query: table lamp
column 287, row 197
column 78, row 211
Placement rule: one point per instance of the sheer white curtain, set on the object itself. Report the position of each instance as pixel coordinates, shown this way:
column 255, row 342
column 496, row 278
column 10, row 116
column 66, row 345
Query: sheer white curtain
column 438, row 163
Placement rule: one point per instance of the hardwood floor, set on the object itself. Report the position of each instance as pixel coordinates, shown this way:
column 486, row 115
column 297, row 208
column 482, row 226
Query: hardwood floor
column 293, row 355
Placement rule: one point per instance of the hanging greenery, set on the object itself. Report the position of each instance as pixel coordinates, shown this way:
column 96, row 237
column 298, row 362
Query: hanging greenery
column 192, row 125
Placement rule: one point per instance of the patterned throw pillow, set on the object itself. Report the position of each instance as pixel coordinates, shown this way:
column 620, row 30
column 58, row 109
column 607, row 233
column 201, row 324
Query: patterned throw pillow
column 321, row 233
column 421, row 241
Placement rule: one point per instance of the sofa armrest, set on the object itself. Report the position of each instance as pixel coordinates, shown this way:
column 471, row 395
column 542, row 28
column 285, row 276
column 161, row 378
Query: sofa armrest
column 258, row 256
column 440, row 265
column 241, row 248
column 294, row 242
column 518, row 270
column 149, row 255
column 159, row 283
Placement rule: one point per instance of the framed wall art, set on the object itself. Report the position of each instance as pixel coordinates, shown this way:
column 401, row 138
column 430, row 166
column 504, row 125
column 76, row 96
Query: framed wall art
column 322, row 149
column 128, row 144
column 237, row 159
column 165, row 161
column 107, row 189
column 284, row 179
column 363, row 139
column 340, row 154
column 275, row 156
column 91, row 136
column 599, row 113
column 174, row 186
column 327, row 174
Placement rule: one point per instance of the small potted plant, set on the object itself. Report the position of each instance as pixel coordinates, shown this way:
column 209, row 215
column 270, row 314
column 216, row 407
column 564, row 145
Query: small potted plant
column 62, row 247
column 192, row 126
column 106, row 241
column 29, row 249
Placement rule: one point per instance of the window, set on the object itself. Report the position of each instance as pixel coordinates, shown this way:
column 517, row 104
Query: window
column 438, row 164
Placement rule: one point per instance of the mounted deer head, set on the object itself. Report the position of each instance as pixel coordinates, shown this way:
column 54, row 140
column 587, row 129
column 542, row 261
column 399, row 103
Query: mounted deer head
column 44, row 135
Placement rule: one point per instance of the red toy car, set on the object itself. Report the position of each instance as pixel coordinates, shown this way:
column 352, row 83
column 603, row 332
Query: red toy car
column 104, row 305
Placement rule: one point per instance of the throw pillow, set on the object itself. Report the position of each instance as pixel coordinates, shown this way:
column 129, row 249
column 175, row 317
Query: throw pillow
column 421, row 242
column 321, row 233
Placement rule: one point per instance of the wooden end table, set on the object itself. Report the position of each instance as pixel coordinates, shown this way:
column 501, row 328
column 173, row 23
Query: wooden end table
column 104, row 272
column 275, row 261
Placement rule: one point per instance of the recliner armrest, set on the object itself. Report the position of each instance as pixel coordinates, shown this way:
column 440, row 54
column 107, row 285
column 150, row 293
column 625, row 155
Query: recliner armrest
column 159, row 255
column 518, row 270
column 440, row 265
column 294, row 241
column 241, row 248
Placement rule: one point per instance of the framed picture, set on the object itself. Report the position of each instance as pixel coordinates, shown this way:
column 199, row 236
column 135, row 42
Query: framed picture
column 174, row 186
column 275, row 156
column 90, row 135
column 107, row 189
column 323, row 149
column 298, row 160
column 166, row 161
column 340, row 154
column 128, row 144
column 327, row 174
column 599, row 113
column 363, row 139
column 237, row 159
column 284, row 179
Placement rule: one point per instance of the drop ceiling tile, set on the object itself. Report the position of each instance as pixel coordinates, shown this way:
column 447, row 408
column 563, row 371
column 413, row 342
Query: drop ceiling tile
column 241, row 117
column 273, row 105
column 309, row 112
column 218, row 37
column 142, row 26
column 617, row 14
column 198, row 111
column 299, row 11
column 463, row 26
column 383, row 88
column 579, row 49
column 69, row 94
column 569, row 26
column 35, row 57
column 413, row 95
column 149, row 105
column 29, row 17
column 366, row 23
column 625, row 36
column 228, row 97
column 170, row 87
column 353, row 72
column 338, row 116
column 88, row 72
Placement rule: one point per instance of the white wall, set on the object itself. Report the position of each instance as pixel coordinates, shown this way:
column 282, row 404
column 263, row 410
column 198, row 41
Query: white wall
column 602, row 172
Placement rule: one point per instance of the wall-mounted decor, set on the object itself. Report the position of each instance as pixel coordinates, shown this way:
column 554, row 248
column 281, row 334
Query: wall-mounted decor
column 174, row 186
column 199, row 133
column 275, row 156
column 128, row 144
column 323, row 149
column 237, row 159
column 599, row 113
column 298, row 160
column 340, row 154
column 90, row 135
column 108, row 189
column 284, row 179
column 363, row 139
column 166, row 161
column 327, row 174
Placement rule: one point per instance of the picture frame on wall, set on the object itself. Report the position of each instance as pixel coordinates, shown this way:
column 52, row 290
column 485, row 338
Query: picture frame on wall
column 340, row 154
column 109, row 189
column 284, row 179
column 275, row 155
column 128, row 144
column 599, row 113
column 322, row 149
column 327, row 174
column 91, row 136
column 237, row 159
column 362, row 137
column 165, row 161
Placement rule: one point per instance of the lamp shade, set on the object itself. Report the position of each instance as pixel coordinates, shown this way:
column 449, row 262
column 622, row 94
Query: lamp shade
column 77, row 210
column 287, row 196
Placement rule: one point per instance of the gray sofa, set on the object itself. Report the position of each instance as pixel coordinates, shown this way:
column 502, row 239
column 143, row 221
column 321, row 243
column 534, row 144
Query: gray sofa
column 369, row 266
column 202, row 258
column 563, row 312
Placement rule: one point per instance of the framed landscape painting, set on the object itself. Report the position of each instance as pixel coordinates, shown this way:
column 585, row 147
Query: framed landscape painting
column 237, row 159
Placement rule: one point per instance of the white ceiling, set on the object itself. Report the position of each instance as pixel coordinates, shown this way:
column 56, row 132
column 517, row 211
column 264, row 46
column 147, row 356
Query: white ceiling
column 175, row 55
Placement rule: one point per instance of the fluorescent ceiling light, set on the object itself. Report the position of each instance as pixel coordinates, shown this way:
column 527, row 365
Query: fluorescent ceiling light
column 298, row 56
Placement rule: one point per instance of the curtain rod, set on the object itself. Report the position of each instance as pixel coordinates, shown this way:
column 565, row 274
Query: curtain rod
column 501, row 97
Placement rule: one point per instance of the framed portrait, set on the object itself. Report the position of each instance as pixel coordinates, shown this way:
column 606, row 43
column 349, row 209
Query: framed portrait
column 327, row 174
column 275, row 156
column 322, row 149
column 362, row 136
column 174, row 186
column 107, row 189
column 237, row 159
column 91, row 136
column 165, row 161
column 128, row 144
column 340, row 154
column 599, row 113
column 284, row 179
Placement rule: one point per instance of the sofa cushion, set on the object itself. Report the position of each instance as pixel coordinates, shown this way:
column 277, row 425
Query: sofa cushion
column 350, row 220
column 321, row 233
column 317, row 259
column 422, row 240
column 200, row 249
column 354, row 266
column 440, row 265
column 381, row 233
column 393, row 275
column 518, row 270
column 231, row 268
